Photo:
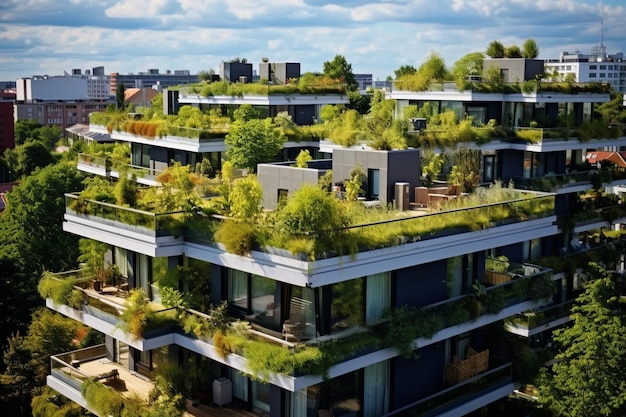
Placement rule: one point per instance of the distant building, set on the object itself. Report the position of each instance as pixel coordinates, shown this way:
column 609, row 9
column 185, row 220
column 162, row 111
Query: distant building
column 151, row 79
column 365, row 81
column 139, row 96
column 595, row 67
column 7, row 127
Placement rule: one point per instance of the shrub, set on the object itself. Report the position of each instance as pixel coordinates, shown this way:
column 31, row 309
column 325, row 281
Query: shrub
column 237, row 237
column 137, row 313
column 102, row 399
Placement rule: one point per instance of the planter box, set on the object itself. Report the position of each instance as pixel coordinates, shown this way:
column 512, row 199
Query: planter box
column 496, row 278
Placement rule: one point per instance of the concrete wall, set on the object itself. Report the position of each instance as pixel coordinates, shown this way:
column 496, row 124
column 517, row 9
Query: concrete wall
column 394, row 166
column 279, row 72
column 274, row 177
column 232, row 71
column 515, row 69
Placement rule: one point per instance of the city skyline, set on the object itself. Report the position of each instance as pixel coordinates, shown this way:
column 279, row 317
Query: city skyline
column 377, row 37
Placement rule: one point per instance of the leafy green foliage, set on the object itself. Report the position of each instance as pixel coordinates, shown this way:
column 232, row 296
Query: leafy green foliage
column 252, row 141
column 470, row 64
column 137, row 313
column 341, row 70
column 26, row 359
column 530, row 50
column 404, row 70
column 237, row 236
column 512, row 51
column 310, row 209
column 245, row 198
column 587, row 378
column 495, row 49
column 303, row 158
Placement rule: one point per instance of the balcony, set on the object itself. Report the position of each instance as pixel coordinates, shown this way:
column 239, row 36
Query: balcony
column 105, row 167
column 530, row 323
column 74, row 368
column 103, row 308
column 464, row 397
column 295, row 365
column 70, row 370
column 570, row 182
column 163, row 135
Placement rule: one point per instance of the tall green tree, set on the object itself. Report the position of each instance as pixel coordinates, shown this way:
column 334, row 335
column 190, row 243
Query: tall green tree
column 120, row 95
column 24, row 159
column 24, row 130
column 470, row 64
column 587, row 378
column 32, row 240
column 252, row 141
column 340, row 69
column 27, row 359
column 530, row 50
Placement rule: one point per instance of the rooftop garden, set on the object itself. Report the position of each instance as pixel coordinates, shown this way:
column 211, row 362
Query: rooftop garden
column 312, row 223
column 193, row 123
column 308, row 83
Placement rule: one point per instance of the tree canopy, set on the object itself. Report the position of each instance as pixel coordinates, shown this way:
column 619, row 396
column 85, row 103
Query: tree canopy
column 587, row 378
column 495, row 49
column 340, row 69
column 405, row 69
column 530, row 49
column 252, row 141
column 470, row 64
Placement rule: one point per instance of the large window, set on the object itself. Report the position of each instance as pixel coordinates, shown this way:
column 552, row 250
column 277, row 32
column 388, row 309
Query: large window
column 347, row 301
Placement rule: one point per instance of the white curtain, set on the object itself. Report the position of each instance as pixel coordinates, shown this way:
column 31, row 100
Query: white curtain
column 240, row 385
column 298, row 403
column 142, row 273
column 378, row 295
column 308, row 294
column 376, row 389
column 238, row 288
column 121, row 260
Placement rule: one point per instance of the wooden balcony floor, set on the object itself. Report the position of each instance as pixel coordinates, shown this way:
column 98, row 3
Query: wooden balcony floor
column 129, row 383
column 126, row 383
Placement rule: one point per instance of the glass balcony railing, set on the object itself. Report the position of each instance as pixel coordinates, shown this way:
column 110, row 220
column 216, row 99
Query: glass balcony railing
column 451, row 220
column 107, row 165
column 553, row 182
column 531, row 320
column 66, row 366
column 144, row 222
column 459, row 394
column 75, row 367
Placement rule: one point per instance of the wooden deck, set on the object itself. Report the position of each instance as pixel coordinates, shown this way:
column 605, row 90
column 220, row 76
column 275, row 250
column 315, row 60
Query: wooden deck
column 126, row 383
column 131, row 383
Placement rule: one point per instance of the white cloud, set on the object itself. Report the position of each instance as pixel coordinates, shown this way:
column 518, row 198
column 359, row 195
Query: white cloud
column 137, row 8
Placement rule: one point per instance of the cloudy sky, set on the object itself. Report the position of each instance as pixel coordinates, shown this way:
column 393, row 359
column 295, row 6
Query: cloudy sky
column 375, row 36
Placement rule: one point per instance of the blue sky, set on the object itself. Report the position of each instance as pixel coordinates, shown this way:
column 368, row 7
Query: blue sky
column 376, row 36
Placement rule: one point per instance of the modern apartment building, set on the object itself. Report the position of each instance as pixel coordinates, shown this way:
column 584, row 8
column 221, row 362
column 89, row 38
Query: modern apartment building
column 448, row 275
column 595, row 67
